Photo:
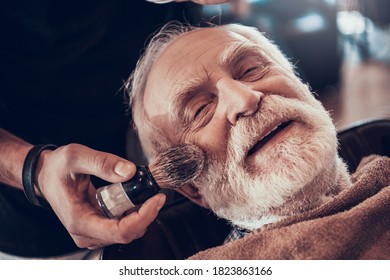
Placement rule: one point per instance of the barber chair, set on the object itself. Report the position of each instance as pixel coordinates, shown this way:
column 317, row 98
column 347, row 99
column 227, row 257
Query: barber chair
column 362, row 139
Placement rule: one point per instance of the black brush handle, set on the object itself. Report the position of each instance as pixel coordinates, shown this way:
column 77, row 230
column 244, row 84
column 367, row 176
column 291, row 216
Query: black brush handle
column 142, row 186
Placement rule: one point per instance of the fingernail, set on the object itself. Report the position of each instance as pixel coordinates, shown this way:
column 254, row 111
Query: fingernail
column 122, row 169
column 160, row 203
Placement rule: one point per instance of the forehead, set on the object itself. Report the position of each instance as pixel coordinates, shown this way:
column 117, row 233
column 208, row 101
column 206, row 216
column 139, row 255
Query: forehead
column 190, row 56
column 193, row 46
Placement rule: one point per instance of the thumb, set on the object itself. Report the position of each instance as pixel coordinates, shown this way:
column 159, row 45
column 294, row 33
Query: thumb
column 106, row 166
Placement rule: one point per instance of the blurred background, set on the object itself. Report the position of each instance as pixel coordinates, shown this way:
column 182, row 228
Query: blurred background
column 63, row 61
column 90, row 47
column 340, row 47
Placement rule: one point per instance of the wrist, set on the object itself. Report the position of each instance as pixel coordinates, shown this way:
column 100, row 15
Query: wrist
column 38, row 174
column 29, row 172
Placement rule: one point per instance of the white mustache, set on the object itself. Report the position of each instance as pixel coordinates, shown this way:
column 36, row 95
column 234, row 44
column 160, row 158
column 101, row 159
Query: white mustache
column 273, row 110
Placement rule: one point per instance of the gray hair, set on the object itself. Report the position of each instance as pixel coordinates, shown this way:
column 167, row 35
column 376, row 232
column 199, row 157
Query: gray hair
column 151, row 137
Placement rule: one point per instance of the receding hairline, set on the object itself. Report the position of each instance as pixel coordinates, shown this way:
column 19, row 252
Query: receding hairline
column 203, row 29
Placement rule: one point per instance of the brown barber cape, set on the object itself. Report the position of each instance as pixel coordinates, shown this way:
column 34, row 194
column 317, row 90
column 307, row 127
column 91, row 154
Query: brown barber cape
column 354, row 225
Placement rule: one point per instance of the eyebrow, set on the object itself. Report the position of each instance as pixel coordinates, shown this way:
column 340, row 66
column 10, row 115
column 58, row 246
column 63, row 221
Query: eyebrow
column 236, row 50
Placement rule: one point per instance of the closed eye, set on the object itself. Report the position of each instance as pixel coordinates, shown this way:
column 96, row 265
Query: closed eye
column 249, row 71
column 200, row 109
column 253, row 74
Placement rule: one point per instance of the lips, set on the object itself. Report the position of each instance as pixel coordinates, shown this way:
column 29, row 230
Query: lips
column 273, row 132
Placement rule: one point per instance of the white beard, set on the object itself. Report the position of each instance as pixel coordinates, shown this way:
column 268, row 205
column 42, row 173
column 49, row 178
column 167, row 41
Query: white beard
column 250, row 197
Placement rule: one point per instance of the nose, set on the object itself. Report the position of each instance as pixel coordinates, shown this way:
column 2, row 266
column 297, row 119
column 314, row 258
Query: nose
column 239, row 99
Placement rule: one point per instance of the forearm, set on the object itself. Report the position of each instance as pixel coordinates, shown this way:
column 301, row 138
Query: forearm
column 13, row 151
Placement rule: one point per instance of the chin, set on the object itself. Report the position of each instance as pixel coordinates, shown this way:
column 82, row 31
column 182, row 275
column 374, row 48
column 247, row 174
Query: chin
column 290, row 173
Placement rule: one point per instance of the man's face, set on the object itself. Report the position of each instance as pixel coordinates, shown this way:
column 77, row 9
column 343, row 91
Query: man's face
column 265, row 136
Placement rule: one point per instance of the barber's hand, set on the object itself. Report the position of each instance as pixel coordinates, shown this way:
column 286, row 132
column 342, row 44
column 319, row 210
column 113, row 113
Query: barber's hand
column 63, row 178
column 202, row 2
column 239, row 7
column 207, row 2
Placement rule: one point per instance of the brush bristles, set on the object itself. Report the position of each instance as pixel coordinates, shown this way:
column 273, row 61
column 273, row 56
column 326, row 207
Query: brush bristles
column 177, row 166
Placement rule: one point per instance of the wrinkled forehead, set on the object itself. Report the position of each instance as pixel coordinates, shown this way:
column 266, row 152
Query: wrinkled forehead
column 197, row 42
column 184, row 57
column 190, row 48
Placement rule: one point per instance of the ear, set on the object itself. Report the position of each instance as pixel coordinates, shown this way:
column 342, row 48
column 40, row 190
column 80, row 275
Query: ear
column 193, row 194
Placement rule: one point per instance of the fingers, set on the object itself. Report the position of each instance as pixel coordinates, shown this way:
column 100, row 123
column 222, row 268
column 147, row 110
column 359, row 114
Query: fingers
column 83, row 160
column 240, row 7
column 93, row 230
column 78, row 210
column 212, row 2
column 147, row 213
column 137, row 222
column 206, row 2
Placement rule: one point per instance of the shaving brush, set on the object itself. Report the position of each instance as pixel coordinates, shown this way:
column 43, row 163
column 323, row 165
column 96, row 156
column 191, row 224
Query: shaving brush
column 173, row 168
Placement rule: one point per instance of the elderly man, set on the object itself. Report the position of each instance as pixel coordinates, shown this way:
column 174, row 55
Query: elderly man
column 273, row 168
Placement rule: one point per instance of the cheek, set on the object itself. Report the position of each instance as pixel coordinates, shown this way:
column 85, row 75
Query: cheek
column 212, row 139
column 303, row 92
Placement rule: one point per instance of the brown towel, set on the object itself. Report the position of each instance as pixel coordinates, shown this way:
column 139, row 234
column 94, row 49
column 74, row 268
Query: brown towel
column 353, row 225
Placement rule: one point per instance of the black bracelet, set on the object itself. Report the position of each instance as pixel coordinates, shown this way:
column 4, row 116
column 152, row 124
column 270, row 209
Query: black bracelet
column 28, row 174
